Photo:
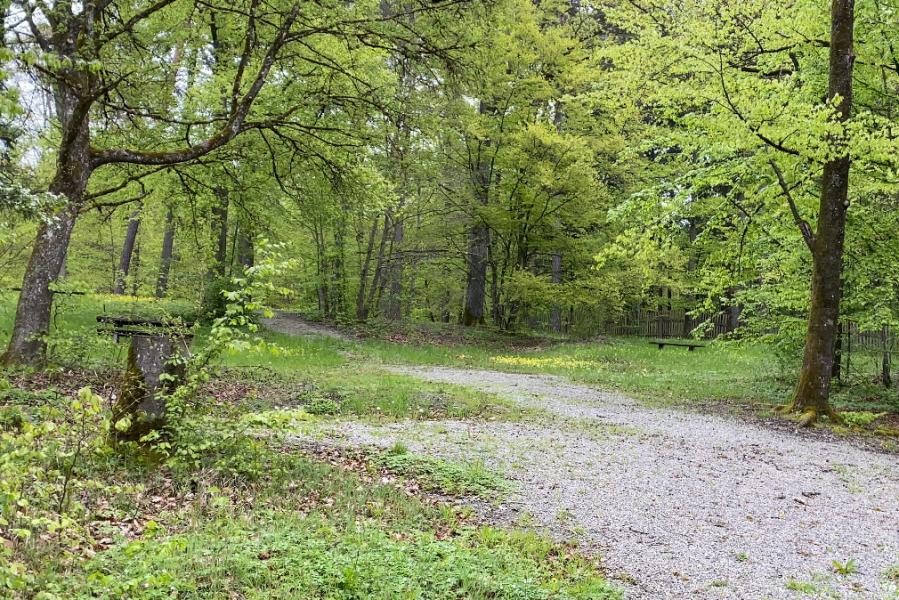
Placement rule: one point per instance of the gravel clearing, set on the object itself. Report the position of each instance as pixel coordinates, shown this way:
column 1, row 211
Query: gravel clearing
column 680, row 504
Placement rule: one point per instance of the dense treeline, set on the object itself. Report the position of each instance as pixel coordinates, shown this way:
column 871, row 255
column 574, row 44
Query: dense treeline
column 467, row 162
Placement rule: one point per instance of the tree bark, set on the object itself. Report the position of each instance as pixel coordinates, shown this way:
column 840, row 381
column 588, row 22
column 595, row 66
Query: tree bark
column 476, row 280
column 165, row 261
column 478, row 238
column 361, row 307
column 555, row 316
column 812, row 395
column 127, row 251
column 142, row 396
column 376, row 282
column 27, row 344
column 394, row 309
column 245, row 254
column 339, row 272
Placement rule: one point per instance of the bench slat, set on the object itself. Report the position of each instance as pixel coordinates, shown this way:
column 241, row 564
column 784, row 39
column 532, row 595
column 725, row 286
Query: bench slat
column 690, row 346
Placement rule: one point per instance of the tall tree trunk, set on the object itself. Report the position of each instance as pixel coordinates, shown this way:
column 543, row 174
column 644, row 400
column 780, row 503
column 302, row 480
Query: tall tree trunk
column 885, row 369
column 495, row 310
column 476, row 280
column 245, row 254
column 376, row 282
column 811, row 397
column 555, row 316
column 394, row 309
column 339, row 271
column 135, row 268
column 361, row 307
column 127, row 251
column 27, row 345
column 478, row 237
column 165, row 260
column 322, row 271
column 73, row 169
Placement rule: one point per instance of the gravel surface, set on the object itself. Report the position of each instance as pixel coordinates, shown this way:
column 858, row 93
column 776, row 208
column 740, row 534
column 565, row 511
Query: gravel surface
column 680, row 504
column 291, row 324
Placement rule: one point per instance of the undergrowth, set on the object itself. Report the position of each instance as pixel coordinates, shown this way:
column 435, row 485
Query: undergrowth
column 238, row 516
column 436, row 474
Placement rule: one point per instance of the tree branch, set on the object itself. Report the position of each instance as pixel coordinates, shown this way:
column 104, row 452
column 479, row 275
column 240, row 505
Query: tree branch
column 801, row 223
column 231, row 129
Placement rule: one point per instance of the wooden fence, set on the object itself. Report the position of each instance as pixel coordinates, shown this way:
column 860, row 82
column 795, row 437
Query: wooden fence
column 854, row 339
column 673, row 323
column 643, row 322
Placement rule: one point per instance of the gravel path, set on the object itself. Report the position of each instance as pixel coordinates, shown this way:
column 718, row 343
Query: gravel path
column 681, row 505
column 292, row 324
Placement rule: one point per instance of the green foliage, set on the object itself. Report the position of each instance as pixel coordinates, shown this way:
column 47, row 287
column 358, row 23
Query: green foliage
column 844, row 568
column 250, row 518
column 803, row 587
column 44, row 486
column 444, row 476
column 183, row 440
column 860, row 418
column 313, row 556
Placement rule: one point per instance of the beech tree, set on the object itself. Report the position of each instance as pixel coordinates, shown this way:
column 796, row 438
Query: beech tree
column 826, row 244
column 747, row 112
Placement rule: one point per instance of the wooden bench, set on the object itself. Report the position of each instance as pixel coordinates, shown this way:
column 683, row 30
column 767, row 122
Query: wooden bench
column 684, row 343
column 127, row 326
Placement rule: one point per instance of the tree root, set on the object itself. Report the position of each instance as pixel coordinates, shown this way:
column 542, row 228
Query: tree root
column 808, row 415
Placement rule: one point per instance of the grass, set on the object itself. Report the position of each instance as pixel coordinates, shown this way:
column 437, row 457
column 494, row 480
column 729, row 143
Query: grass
column 255, row 520
column 723, row 373
column 468, row 479
column 348, row 372
column 277, row 556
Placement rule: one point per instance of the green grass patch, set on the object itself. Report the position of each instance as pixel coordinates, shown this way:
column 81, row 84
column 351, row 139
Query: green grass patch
column 282, row 556
column 439, row 475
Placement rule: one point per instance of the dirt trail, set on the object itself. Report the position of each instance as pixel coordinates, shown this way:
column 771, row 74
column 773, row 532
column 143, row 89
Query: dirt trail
column 680, row 504
column 292, row 324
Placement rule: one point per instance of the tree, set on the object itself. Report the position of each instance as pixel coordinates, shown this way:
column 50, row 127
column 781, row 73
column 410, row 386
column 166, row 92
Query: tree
column 744, row 143
column 109, row 68
column 813, row 389
column 86, row 56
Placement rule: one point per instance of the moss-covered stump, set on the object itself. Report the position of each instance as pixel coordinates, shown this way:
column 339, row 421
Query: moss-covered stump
column 141, row 404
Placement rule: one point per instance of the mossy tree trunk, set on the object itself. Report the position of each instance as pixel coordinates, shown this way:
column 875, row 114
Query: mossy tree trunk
column 812, row 395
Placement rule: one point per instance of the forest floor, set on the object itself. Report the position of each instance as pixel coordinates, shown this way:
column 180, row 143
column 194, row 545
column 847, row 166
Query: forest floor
column 432, row 461
column 678, row 503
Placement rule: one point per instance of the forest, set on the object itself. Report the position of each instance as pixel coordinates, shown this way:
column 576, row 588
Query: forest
column 449, row 299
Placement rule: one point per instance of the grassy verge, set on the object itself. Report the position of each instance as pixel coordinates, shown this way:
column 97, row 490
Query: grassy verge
column 246, row 518
column 728, row 376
